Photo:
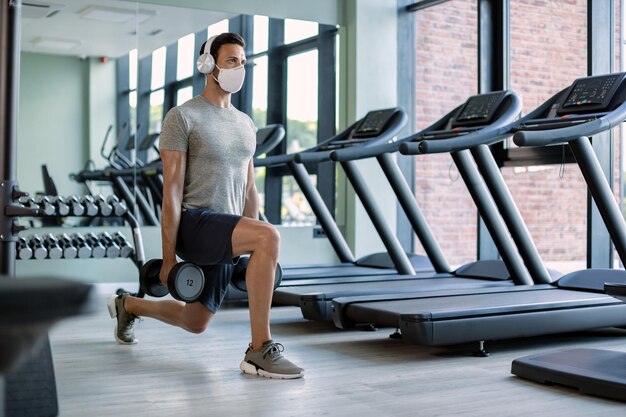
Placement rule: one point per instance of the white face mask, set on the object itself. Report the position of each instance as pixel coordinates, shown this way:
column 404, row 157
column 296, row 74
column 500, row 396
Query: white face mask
column 231, row 79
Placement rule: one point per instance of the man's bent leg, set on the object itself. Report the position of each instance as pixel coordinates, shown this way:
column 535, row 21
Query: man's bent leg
column 262, row 241
column 192, row 317
column 264, row 356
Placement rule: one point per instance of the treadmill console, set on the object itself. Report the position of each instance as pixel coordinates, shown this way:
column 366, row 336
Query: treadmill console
column 479, row 109
column 373, row 124
column 591, row 94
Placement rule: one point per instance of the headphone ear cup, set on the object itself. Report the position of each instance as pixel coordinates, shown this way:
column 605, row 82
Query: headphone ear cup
column 205, row 63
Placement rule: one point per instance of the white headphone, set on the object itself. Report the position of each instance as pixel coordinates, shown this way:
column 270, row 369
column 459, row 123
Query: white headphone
column 206, row 62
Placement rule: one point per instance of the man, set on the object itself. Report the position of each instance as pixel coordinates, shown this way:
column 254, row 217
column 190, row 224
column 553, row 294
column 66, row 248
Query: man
column 210, row 212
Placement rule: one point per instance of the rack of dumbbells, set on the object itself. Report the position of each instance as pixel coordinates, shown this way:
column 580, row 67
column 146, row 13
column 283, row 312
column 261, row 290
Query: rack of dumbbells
column 146, row 178
column 77, row 245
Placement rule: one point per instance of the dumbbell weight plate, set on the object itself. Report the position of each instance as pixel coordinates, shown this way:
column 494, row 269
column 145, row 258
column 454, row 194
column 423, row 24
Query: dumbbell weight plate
column 239, row 274
column 149, row 278
column 55, row 252
column 186, row 281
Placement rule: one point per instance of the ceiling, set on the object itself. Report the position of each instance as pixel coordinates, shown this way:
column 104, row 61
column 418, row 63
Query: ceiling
column 76, row 27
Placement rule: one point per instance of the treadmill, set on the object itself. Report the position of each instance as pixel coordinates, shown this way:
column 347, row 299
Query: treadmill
column 574, row 302
column 377, row 126
column 485, row 112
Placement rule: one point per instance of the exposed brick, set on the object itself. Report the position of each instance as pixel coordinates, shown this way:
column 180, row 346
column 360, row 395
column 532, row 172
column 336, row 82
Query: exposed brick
column 548, row 51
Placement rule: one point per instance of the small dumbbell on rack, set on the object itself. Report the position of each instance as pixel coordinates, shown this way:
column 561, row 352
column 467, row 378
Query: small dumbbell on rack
column 62, row 208
column 104, row 208
column 37, row 246
column 81, row 245
column 112, row 248
column 126, row 250
column 119, row 208
column 76, row 207
column 51, row 243
column 97, row 248
column 69, row 250
column 91, row 208
column 28, row 202
column 23, row 250
column 45, row 204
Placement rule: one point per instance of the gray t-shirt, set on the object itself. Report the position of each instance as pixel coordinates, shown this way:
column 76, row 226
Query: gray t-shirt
column 219, row 143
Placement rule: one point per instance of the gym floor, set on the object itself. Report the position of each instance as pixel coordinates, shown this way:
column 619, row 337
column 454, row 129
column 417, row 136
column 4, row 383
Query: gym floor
column 171, row 372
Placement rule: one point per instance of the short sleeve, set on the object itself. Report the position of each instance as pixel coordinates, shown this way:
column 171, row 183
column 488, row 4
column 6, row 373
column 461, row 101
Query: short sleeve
column 174, row 133
column 252, row 125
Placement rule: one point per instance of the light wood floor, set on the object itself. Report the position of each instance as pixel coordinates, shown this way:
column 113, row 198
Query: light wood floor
column 173, row 373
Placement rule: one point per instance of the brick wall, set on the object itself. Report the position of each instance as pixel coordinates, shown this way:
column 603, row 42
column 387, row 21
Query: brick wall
column 446, row 75
column 548, row 51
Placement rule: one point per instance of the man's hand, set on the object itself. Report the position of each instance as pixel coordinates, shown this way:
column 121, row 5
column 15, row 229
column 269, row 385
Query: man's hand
column 165, row 271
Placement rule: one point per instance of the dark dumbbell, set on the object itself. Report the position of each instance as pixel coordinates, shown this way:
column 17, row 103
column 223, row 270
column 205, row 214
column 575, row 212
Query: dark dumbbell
column 238, row 279
column 23, row 250
column 62, row 208
column 97, row 248
column 76, row 207
column 46, row 205
column 69, row 250
column 112, row 248
column 81, row 245
column 52, row 245
column 91, row 208
column 125, row 249
column 119, row 208
column 36, row 244
column 185, row 281
column 29, row 202
column 105, row 208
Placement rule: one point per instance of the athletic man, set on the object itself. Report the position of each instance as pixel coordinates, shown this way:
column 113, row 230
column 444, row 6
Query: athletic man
column 210, row 212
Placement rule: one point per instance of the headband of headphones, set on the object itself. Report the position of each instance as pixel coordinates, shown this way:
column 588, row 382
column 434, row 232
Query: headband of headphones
column 206, row 62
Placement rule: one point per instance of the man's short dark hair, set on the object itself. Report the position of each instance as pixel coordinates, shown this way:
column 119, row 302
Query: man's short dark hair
column 223, row 39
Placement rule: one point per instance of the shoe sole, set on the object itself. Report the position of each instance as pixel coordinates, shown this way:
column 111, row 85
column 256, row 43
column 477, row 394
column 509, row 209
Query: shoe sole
column 249, row 369
column 113, row 313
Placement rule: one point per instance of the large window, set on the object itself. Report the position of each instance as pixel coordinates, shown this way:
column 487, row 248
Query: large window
column 548, row 52
column 446, row 74
column 283, row 60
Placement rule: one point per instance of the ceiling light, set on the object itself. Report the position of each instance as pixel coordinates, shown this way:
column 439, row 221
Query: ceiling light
column 47, row 42
column 115, row 14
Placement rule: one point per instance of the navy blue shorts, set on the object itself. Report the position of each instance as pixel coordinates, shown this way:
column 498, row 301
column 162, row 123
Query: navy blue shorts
column 205, row 238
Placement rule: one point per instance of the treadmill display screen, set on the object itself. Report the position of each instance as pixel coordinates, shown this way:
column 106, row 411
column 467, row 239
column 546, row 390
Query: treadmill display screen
column 479, row 109
column 591, row 93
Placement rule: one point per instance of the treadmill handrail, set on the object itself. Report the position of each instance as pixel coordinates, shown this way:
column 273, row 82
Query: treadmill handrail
column 364, row 152
column 398, row 122
column 272, row 161
column 490, row 134
column 566, row 134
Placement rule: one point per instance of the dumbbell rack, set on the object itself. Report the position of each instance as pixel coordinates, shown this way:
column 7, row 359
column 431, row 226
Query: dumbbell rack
column 76, row 245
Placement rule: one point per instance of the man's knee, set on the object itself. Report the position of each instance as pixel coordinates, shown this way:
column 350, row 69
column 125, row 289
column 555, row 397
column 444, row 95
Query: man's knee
column 196, row 323
column 269, row 240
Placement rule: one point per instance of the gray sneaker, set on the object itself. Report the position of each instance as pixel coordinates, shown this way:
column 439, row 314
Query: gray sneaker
column 268, row 361
column 124, row 332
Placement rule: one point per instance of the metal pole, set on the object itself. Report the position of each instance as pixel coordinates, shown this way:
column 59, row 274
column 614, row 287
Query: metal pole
column 411, row 209
column 510, row 213
column 396, row 252
column 601, row 193
column 9, row 83
column 489, row 213
column 321, row 212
